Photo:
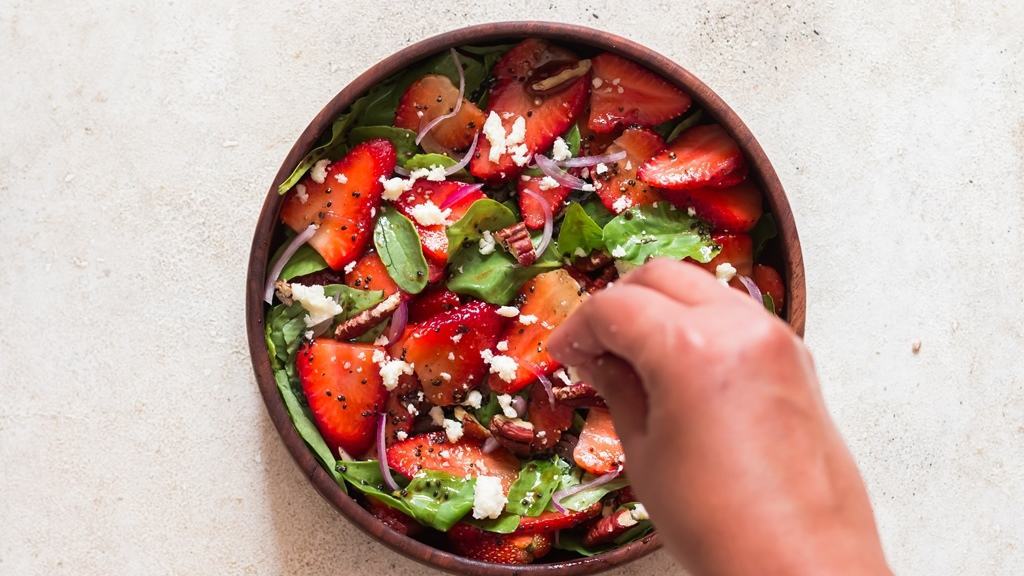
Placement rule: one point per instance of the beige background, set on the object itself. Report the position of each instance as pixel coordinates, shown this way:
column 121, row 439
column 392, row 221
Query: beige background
column 137, row 143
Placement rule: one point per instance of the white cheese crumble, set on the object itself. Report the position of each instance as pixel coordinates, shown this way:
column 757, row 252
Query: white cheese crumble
column 378, row 357
column 725, row 272
column 495, row 134
column 517, row 135
column 381, row 340
column 618, row 252
column 547, row 183
column 691, row 211
column 502, row 346
column 319, row 306
column 401, row 435
column 560, row 150
column 474, row 399
column 505, row 401
column 596, row 82
column 393, row 187
column 428, row 214
column 446, row 376
column 486, row 243
column 350, row 267
column 520, row 155
column 456, row 338
column 621, row 204
column 508, row 311
column 341, row 178
column 436, row 174
column 451, row 355
column 527, row 319
column 488, row 497
column 453, row 429
column 437, row 415
column 561, row 375
column 640, row 513
column 309, row 334
column 392, row 370
column 601, row 168
column 504, row 366
column 301, row 194
column 318, row 173
column 626, row 518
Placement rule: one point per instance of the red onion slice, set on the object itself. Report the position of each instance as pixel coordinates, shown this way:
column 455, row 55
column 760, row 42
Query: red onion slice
column 465, row 159
column 490, row 445
column 544, row 380
column 401, row 171
column 584, row 161
column 382, row 454
column 549, row 221
column 458, row 103
column 550, row 168
column 458, row 195
column 519, row 405
column 752, row 288
column 399, row 318
column 289, row 251
column 557, row 497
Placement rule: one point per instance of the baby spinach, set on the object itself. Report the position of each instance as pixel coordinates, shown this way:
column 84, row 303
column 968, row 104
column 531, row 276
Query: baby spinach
column 487, row 410
column 579, row 232
column 495, row 277
column 644, row 232
column 763, row 231
column 530, row 494
column 688, row 121
column 398, row 245
column 504, row 524
column 306, row 260
column 352, row 300
column 597, row 212
column 404, row 140
column 587, row 498
column 769, row 302
column 429, row 161
column 572, row 139
column 484, row 214
column 302, row 419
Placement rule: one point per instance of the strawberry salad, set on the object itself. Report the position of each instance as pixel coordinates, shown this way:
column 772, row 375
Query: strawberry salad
column 449, row 221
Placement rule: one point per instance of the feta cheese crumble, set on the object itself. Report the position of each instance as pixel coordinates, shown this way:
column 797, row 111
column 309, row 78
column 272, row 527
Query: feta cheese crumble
column 350, row 267
column 505, row 401
column 301, row 194
column 401, row 435
column 494, row 131
column 640, row 513
column 621, row 204
column 504, row 366
column 547, row 183
column 341, row 178
column 319, row 307
column 318, row 173
column 502, row 346
column 474, row 399
column 691, row 211
column 392, row 370
column 527, row 319
column 428, row 214
column 488, row 497
column 619, row 252
column 601, row 168
column 453, row 429
column 437, row 415
column 393, row 187
column 725, row 272
column 486, row 243
column 560, row 150
column 508, row 311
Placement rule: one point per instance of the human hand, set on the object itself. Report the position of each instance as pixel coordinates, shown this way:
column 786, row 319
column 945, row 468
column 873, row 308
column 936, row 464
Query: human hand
column 728, row 442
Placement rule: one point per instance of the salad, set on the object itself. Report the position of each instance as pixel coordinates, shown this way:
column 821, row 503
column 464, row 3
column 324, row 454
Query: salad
column 449, row 221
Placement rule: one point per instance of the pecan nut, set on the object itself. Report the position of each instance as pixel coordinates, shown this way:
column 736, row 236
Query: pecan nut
column 578, row 395
column 513, row 433
column 471, row 427
column 284, row 292
column 516, row 239
column 362, row 323
column 555, row 76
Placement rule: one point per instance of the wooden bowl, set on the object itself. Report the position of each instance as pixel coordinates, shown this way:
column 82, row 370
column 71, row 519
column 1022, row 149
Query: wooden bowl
column 786, row 254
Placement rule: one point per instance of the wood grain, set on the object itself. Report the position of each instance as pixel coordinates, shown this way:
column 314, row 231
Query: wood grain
column 568, row 34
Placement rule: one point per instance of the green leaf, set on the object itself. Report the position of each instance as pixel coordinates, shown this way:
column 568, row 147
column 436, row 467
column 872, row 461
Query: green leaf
column 303, row 421
column 496, row 277
column 573, row 540
column 643, row 232
column 579, row 232
column 530, row 494
column 762, row 232
column 306, row 260
column 434, row 499
column 488, row 56
column 404, row 140
column 487, row 410
column 352, row 300
column 572, row 139
column 597, row 212
column 587, row 498
column 504, row 524
column 332, row 148
column 688, row 121
column 429, row 161
column 398, row 245
column 769, row 302
column 284, row 328
column 484, row 214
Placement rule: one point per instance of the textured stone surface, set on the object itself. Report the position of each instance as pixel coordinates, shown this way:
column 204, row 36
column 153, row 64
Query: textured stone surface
column 137, row 143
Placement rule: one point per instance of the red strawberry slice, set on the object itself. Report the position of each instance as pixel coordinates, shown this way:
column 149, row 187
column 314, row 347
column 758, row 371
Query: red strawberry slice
column 549, row 420
column 626, row 93
column 445, row 350
column 738, row 250
column 392, row 518
column 770, row 282
column 552, row 520
column 343, row 204
column 530, row 208
column 599, row 450
column 430, row 97
column 477, row 544
column 702, row 156
column 465, row 458
column 736, row 208
column 370, row 273
column 399, row 417
column 550, row 298
column 431, row 302
column 433, row 236
column 344, row 391
column 547, row 115
column 619, row 187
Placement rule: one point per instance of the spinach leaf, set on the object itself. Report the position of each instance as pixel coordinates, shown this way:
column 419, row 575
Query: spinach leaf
column 434, row 499
column 572, row 139
column 504, row 524
column 488, row 56
column 643, row 232
column 487, row 410
column 496, row 277
column 306, row 260
column 688, row 121
column 530, row 494
column 428, row 161
column 763, row 231
column 352, row 300
column 404, row 140
column 769, row 302
column 579, row 232
column 597, row 212
column 484, row 214
column 332, row 148
column 587, row 498
column 302, row 419
column 398, row 245
column 284, row 328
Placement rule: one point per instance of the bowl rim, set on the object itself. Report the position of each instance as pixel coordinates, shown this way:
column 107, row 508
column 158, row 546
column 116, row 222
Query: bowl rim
column 572, row 34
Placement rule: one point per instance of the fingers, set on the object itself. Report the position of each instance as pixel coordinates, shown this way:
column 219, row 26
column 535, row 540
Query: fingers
column 683, row 282
column 622, row 390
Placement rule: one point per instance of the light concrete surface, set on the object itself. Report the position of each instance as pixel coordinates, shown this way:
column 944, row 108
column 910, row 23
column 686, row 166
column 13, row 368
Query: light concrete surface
column 137, row 141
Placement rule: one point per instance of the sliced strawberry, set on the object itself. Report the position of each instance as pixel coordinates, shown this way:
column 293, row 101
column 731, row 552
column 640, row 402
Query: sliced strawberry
column 533, row 213
column 626, row 93
column 620, row 180
column 430, row 97
column 738, row 250
column 392, row 518
column 465, row 458
column 551, row 297
column 399, row 417
column 770, row 281
column 431, row 302
column 342, row 206
column 547, row 116
column 477, row 544
column 445, row 350
column 702, row 156
column 599, row 450
column 344, row 391
column 552, row 520
column 369, row 273
column 549, row 420
column 433, row 237
column 736, row 208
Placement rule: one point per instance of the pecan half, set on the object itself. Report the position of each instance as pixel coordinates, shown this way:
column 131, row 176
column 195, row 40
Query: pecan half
column 361, row 323
column 471, row 427
column 578, row 395
column 284, row 292
column 516, row 239
column 610, row 527
column 554, row 76
column 513, row 433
